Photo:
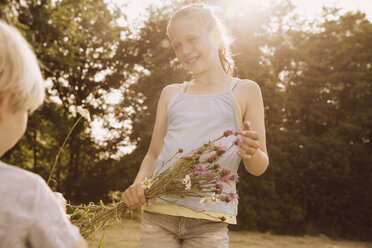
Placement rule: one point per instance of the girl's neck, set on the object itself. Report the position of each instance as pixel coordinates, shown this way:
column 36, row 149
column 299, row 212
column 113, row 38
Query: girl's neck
column 212, row 76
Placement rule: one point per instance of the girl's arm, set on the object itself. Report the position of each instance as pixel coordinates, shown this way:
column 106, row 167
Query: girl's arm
column 134, row 196
column 253, row 146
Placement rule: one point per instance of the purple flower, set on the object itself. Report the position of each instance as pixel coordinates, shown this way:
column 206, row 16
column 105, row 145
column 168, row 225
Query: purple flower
column 211, row 159
column 238, row 140
column 199, row 168
column 208, row 174
column 228, row 132
column 234, row 178
column 224, row 179
column 219, row 186
column 227, row 198
column 233, row 195
column 224, row 172
column 221, row 148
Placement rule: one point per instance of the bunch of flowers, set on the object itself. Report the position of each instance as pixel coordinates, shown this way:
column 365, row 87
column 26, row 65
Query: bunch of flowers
column 196, row 174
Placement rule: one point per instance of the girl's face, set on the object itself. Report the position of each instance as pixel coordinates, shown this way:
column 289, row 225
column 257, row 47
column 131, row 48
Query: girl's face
column 191, row 43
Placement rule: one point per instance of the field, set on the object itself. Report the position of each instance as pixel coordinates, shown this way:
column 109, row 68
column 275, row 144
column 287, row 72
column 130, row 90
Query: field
column 125, row 235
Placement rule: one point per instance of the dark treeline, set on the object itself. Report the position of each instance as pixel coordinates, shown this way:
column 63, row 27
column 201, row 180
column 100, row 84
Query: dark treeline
column 316, row 80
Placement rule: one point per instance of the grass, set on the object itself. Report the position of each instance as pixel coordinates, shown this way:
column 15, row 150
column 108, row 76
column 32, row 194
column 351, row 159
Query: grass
column 125, row 234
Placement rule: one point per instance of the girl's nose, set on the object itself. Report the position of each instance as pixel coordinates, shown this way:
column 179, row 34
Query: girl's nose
column 186, row 49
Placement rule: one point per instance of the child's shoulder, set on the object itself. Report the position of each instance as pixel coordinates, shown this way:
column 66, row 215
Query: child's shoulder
column 16, row 178
column 171, row 89
column 169, row 92
column 248, row 89
column 247, row 84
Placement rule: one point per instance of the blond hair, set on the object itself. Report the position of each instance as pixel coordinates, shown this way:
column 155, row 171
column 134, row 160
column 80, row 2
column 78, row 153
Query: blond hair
column 19, row 71
column 208, row 17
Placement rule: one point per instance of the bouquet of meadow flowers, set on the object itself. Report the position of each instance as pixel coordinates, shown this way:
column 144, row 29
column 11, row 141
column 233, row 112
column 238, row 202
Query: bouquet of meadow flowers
column 196, row 173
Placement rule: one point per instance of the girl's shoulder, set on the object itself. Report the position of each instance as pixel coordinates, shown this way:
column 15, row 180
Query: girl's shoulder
column 248, row 91
column 170, row 91
column 247, row 84
column 173, row 87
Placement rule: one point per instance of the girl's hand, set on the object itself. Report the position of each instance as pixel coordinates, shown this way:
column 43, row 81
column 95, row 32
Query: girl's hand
column 134, row 196
column 249, row 142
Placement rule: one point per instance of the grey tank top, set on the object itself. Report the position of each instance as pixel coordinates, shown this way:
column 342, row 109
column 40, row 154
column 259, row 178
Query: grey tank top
column 194, row 120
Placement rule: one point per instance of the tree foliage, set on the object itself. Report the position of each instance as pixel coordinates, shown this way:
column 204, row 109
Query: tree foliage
column 316, row 84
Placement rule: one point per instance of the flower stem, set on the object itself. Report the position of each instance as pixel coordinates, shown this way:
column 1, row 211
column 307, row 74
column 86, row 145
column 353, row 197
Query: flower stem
column 61, row 148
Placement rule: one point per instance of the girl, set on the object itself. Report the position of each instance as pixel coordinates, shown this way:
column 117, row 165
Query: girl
column 190, row 114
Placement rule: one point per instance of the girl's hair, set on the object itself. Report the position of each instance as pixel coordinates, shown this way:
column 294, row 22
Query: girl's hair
column 208, row 17
column 19, row 71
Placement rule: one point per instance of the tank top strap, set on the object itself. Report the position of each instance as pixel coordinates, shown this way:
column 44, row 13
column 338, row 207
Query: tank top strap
column 184, row 86
column 233, row 84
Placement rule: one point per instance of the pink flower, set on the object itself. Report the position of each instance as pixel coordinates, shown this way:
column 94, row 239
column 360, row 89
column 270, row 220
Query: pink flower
column 227, row 198
column 224, row 179
column 224, row 172
column 228, row 132
column 219, row 186
column 208, row 174
column 199, row 168
column 238, row 140
column 233, row 195
column 234, row 178
column 221, row 148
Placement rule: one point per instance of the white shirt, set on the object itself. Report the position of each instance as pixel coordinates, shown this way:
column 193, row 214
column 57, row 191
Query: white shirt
column 30, row 215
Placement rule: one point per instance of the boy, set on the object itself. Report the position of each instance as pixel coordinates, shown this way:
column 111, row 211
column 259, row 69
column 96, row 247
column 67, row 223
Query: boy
column 30, row 214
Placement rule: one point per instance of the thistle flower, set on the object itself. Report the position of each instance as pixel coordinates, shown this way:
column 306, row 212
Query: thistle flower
column 233, row 195
column 234, row 178
column 225, row 172
column 208, row 174
column 228, row 133
column 227, row 199
column 225, row 179
column 185, row 176
column 199, row 168
column 220, row 148
column 219, row 186
column 238, row 140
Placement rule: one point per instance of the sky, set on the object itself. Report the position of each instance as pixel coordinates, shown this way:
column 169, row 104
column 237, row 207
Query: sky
column 309, row 9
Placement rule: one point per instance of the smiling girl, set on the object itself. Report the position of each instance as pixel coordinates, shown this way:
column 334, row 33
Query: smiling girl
column 190, row 114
